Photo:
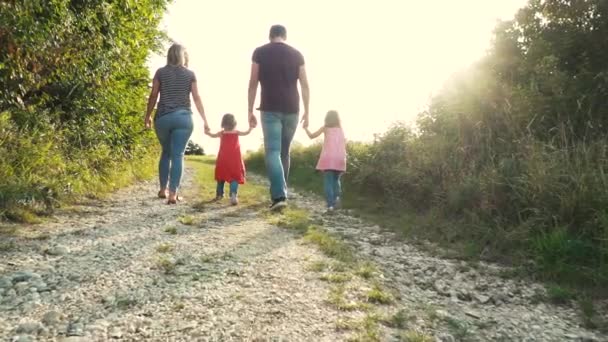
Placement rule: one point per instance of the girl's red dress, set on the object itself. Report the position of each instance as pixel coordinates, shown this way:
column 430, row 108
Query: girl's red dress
column 229, row 165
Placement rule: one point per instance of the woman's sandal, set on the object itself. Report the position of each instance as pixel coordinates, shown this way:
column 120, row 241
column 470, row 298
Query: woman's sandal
column 177, row 199
column 162, row 194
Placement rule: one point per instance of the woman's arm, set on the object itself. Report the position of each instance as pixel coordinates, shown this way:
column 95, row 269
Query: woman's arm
column 152, row 102
column 199, row 104
column 315, row 134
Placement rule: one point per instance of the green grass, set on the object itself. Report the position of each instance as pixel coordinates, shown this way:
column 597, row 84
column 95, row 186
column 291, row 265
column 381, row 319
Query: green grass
column 560, row 295
column 86, row 183
column 329, row 245
column 459, row 329
column 205, row 259
column 167, row 265
column 415, row 336
column 368, row 329
column 187, row 220
column 337, row 298
column 378, row 295
column 293, row 218
column 366, row 270
column 251, row 195
column 317, row 266
column 7, row 246
column 336, row 277
column 165, row 248
column 398, row 320
column 171, row 230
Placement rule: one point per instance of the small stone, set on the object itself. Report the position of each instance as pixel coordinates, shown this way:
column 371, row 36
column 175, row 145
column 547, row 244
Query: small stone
column 275, row 300
column 115, row 333
column 41, row 286
column 187, row 326
column 472, row 314
column 108, row 300
column 57, row 251
column 464, row 296
column 22, row 287
column 24, row 276
column 32, row 328
column 22, row 338
column 75, row 329
column 51, row 318
column 5, row 282
column 445, row 338
column 74, row 339
column 483, row 299
column 442, row 314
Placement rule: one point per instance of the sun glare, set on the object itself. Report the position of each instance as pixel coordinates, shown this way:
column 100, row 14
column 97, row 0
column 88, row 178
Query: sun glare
column 375, row 62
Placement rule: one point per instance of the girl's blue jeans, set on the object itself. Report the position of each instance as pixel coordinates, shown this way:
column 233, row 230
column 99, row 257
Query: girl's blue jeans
column 234, row 187
column 333, row 188
column 173, row 131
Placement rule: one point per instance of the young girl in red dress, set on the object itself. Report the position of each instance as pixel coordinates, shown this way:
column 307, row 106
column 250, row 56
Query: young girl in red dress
column 229, row 166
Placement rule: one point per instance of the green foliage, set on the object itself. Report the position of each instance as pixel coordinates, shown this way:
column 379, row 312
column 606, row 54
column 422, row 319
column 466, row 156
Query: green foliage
column 559, row 295
column 74, row 80
column 510, row 158
column 194, row 149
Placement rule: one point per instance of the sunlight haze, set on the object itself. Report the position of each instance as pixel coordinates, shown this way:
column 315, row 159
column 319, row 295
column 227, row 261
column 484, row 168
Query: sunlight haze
column 375, row 62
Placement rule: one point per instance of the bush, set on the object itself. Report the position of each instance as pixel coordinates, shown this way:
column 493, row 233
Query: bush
column 193, row 149
column 74, row 81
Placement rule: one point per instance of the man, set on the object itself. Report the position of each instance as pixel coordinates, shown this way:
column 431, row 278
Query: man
column 278, row 67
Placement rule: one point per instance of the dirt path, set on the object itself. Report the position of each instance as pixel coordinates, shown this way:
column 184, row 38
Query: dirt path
column 132, row 268
column 118, row 270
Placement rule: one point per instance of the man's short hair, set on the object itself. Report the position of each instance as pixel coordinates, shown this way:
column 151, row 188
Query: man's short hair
column 278, row 31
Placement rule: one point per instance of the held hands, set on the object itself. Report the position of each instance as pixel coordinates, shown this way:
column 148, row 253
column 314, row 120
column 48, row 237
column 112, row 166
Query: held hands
column 253, row 121
column 304, row 120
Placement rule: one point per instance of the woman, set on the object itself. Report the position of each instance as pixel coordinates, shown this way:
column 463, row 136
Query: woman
column 173, row 120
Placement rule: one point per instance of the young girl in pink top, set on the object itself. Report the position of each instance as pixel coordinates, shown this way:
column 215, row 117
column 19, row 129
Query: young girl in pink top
column 333, row 157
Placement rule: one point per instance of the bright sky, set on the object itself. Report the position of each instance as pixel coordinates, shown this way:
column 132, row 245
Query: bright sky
column 376, row 62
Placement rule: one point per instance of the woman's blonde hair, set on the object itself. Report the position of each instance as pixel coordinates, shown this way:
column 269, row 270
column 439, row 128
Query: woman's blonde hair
column 177, row 55
column 332, row 119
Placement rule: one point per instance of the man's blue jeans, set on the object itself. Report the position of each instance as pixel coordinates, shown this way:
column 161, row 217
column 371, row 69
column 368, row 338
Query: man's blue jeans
column 279, row 129
column 333, row 188
column 173, row 131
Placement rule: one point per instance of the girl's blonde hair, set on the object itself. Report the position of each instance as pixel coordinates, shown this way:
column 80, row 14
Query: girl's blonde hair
column 332, row 119
column 177, row 55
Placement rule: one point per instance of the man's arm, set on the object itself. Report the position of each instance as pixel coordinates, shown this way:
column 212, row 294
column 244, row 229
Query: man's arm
column 253, row 90
column 305, row 94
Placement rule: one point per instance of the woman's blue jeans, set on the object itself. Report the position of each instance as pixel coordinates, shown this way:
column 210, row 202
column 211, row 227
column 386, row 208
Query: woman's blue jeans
column 173, row 131
column 278, row 129
column 333, row 188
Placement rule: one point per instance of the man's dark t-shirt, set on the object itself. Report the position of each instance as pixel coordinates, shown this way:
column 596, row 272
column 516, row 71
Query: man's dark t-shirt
column 278, row 74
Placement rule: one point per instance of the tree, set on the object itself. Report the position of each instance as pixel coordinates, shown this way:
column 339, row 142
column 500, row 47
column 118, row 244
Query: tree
column 194, row 149
column 74, row 77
